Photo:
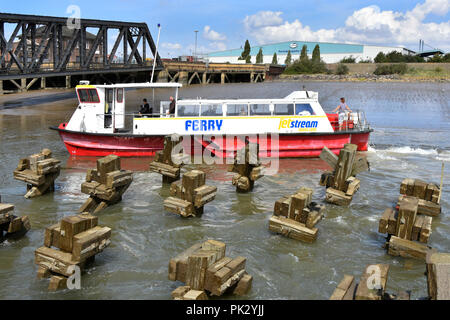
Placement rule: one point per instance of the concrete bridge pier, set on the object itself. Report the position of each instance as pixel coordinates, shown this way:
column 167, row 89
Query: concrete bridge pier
column 43, row 83
column 222, row 77
column 68, row 82
column 183, row 78
column 23, row 85
column 1, row 87
column 163, row 76
column 204, row 78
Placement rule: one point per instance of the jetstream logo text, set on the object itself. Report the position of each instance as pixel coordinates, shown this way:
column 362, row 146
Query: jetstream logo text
column 298, row 124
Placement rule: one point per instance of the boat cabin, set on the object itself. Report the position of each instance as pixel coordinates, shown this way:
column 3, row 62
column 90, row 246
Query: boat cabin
column 102, row 109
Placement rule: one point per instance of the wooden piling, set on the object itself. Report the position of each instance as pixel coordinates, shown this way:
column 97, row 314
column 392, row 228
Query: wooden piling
column 105, row 185
column 205, row 268
column 39, row 171
column 166, row 162
column 74, row 241
column 342, row 184
column 189, row 196
column 247, row 167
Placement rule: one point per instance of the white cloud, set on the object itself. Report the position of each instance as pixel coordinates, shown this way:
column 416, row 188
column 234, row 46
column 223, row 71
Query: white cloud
column 212, row 35
column 171, row 46
column 263, row 19
column 367, row 25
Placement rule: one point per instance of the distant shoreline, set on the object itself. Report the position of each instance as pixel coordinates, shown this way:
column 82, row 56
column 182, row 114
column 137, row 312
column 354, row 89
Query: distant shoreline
column 361, row 78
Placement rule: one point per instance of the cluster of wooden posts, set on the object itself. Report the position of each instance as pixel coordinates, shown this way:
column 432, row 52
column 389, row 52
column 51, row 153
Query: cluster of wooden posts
column 373, row 282
column 342, row 184
column 105, row 185
column 167, row 162
column 206, row 271
column 204, row 268
column 12, row 226
column 247, row 167
column 296, row 216
column 190, row 195
column 74, row 241
column 408, row 225
column 39, row 171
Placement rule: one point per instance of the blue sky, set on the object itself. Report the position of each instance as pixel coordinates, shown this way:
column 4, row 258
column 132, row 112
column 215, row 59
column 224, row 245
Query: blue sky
column 227, row 24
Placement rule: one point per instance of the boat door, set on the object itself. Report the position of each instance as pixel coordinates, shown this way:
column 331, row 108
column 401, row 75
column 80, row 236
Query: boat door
column 109, row 107
column 119, row 109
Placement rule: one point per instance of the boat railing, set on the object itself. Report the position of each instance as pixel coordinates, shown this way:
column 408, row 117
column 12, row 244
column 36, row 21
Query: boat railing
column 351, row 121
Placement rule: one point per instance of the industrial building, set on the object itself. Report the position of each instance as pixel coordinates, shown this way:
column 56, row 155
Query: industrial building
column 330, row 52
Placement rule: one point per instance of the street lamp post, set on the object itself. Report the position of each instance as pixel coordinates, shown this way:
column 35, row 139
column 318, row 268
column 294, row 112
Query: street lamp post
column 195, row 52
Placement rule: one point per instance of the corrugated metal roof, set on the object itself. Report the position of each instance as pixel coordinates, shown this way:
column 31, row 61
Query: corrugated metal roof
column 295, row 47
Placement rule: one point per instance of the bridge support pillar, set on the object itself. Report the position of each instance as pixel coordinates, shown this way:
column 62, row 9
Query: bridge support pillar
column 222, row 78
column 183, row 78
column 23, row 85
column 43, row 83
column 163, row 76
column 68, row 80
column 204, row 78
column 1, row 87
column 252, row 77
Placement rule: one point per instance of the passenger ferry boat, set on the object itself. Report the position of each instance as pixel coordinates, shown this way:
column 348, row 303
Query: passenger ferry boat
column 101, row 126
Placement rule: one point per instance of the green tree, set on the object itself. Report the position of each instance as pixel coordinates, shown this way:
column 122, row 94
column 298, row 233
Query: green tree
column 380, row 58
column 316, row 54
column 288, row 60
column 304, row 54
column 248, row 59
column 275, row 58
column 246, row 51
column 259, row 56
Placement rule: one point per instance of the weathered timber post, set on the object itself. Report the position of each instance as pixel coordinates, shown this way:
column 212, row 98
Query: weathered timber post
column 349, row 289
column 43, row 83
column 166, row 162
column 408, row 225
column 341, row 184
column 296, row 216
column 1, row 87
column 206, row 270
column 74, row 241
column 68, row 82
column 105, row 185
column 189, row 196
column 10, row 224
column 204, row 78
column 438, row 271
column 222, row 78
column 247, row 167
column 39, row 171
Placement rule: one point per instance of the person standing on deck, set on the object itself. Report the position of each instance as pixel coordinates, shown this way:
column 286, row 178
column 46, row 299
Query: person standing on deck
column 172, row 107
column 342, row 107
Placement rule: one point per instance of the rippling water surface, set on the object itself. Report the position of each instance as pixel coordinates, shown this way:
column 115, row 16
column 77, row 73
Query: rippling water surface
column 411, row 139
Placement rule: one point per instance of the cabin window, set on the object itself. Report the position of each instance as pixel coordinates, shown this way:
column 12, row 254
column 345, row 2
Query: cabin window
column 285, row 109
column 260, row 110
column 212, row 110
column 88, row 96
column 119, row 95
column 236, row 110
column 304, row 109
column 189, row 111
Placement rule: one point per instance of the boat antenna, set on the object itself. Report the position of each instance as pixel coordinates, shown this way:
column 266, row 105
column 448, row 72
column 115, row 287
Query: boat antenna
column 307, row 94
column 156, row 53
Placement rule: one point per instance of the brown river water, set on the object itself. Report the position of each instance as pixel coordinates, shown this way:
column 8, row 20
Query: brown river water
column 411, row 139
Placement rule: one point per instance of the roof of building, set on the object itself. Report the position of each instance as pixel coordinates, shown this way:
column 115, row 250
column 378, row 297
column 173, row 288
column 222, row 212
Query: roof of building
column 295, row 47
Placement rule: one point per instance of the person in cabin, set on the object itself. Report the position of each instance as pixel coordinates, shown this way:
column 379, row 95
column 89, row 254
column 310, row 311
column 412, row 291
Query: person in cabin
column 342, row 107
column 145, row 110
column 172, row 107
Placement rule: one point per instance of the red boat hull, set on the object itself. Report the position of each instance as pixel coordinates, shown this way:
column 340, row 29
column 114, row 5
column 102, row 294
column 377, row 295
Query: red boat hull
column 289, row 146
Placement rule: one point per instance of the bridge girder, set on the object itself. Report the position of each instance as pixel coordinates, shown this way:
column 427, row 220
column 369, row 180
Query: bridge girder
column 22, row 55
